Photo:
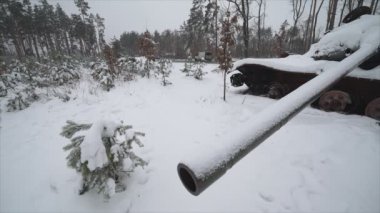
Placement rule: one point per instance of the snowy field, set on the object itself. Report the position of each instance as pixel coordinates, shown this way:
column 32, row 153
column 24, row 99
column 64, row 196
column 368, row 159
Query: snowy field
column 318, row 162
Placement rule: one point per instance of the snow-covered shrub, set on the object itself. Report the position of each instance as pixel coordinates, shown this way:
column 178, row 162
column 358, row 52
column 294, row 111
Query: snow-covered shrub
column 148, row 66
column 188, row 67
column 17, row 103
column 194, row 68
column 3, row 89
column 197, row 72
column 21, row 82
column 22, row 99
column 6, row 83
column 63, row 74
column 148, row 49
column 163, row 70
column 129, row 68
column 98, row 152
column 103, row 75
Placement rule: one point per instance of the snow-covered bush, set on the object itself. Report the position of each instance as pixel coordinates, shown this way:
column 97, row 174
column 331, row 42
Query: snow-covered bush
column 98, row 152
column 148, row 49
column 21, row 83
column 129, row 68
column 194, row 68
column 197, row 72
column 22, row 99
column 163, row 70
column 63, row 74
column 6, row 83
column 17, row 103
column 103, row 75
column 188, row 67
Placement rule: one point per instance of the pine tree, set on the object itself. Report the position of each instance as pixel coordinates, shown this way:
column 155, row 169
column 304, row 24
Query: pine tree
column 163, row 71
column 195, row 28
column 188, row 66
column 148, row 49
column 198, row 72
column 98, row 151
column 100, row 29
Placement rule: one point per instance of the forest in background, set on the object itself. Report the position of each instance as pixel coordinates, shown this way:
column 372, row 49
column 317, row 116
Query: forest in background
column 45, row 30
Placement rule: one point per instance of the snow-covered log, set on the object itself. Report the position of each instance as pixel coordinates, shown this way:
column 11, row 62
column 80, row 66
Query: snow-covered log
column 198, row 172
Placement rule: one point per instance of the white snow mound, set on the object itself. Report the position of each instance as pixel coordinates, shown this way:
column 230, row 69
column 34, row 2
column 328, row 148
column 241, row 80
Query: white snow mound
column 92, row 147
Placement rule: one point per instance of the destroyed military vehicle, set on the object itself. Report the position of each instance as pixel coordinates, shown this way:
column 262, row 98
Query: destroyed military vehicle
column 356, row 93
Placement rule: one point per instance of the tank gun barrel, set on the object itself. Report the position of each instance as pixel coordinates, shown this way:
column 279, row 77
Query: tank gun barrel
column 199, row 172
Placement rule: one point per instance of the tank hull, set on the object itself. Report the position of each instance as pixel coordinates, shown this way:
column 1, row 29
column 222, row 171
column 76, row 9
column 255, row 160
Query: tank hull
column 260, row 78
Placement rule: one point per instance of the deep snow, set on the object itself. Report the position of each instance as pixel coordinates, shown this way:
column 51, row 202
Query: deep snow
column 318, row 162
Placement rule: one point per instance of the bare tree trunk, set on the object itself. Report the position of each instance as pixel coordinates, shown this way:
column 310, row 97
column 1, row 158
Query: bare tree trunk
column 245, row 28
column 350, row 5
column 312, row 23
column 328, row 15
column 41, row 45
column 216, row 27
column 224, row 84
column 307, row 33
column 243, row 10
column 298, row 9
column 259, row 29
column 36, row 47
column 68, row 47
column 372, row 5
column 375, row 7
column 17, row 47
column 332, row 14
column 342, row 11
column 316, row 20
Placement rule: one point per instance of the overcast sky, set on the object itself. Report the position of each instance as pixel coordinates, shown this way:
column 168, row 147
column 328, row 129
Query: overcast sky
column 138, row 15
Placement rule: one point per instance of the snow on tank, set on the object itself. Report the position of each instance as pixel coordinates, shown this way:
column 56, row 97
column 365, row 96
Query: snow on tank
column 276, row 77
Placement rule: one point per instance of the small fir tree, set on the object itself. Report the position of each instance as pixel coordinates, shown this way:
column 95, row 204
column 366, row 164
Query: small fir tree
column 189, row 63
column 163, row 71
column 226, row 43
column 103, row 75
column 197, row 72
column 148, row 49
column 99, row 153
column 194, row 68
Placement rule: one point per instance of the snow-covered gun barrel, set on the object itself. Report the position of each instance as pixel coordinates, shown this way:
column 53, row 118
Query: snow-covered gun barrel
column 199, row 172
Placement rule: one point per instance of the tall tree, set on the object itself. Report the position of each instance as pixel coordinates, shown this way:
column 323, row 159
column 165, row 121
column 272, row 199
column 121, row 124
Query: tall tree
column 211, row 24
column 333, row 4
column 243, row 10
column 260, row 17
column 194, row 28
column 298, row 7
column 100, row 31
column 148, row 49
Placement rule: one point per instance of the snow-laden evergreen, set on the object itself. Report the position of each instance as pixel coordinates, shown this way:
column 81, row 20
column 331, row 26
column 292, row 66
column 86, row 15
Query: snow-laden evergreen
column 194, row 68
column 163, row 70
column 98, row 154
column 26, row 82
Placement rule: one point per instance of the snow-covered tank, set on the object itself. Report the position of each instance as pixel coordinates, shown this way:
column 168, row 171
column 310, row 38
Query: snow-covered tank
column 357, row 93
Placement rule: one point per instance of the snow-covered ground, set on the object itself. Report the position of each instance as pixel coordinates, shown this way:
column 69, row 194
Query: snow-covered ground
column 318, row 162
